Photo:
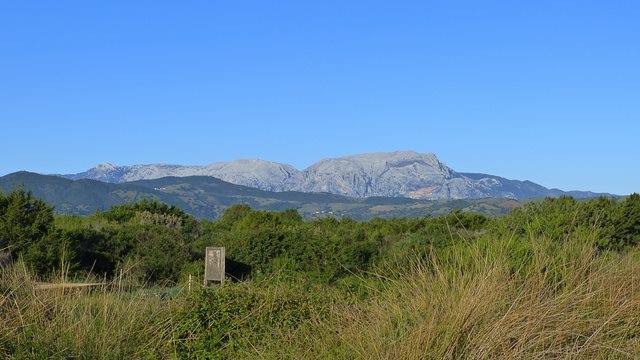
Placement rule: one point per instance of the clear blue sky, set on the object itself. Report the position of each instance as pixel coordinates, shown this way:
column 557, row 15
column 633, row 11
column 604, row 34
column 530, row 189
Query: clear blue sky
column 542, row 90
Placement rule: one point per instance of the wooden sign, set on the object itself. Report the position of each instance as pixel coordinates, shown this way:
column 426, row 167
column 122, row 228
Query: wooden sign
column 214, row 265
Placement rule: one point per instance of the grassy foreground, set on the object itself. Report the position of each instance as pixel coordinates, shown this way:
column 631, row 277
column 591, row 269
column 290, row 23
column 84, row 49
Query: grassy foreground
column 70, row 323
column 482, row 299
column 562, row 301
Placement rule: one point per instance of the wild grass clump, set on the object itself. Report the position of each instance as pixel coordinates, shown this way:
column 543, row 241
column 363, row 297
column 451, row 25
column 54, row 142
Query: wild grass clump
column 566, row 301
column 72, row 323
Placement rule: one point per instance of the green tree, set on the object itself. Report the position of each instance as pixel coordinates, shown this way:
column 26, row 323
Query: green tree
column 51, row 253
column 24, row 221
column 626, row 223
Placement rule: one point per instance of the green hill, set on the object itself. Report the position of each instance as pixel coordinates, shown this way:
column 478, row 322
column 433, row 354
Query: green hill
column 207, row 197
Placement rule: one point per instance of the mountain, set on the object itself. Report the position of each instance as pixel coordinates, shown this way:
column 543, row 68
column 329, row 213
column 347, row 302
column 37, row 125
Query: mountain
column 207, row 197
column 259, row 174
column 395, row 174
column 405, row 174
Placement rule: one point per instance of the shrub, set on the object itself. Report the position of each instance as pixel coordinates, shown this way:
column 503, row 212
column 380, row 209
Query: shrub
column 224, row 322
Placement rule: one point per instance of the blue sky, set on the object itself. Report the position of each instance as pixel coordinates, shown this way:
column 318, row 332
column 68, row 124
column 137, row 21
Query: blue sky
column 542, row 90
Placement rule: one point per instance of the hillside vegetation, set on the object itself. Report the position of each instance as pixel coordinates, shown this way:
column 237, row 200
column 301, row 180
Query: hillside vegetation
column 556, row 278
column 205, row 197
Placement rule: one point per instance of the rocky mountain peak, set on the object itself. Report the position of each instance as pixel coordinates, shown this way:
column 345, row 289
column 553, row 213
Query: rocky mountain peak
column 375, row 174
column 392, row 174
column 105, row 166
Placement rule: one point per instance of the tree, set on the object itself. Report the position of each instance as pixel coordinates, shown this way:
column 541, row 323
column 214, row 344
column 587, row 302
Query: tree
column 24, row 221
column 627, row 221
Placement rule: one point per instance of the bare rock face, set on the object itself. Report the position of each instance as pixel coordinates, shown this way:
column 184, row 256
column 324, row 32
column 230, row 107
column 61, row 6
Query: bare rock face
column 260, row 174
column 378, row 174
column 394, row 174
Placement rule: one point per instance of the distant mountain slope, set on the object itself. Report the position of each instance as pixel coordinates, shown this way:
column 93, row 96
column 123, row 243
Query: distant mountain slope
column 394, row 174
column 259, row 174
column 518, row 189
column 207, row 197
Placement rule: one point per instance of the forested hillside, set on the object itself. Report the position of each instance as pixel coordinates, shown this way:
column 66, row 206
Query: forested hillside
column 205, row 197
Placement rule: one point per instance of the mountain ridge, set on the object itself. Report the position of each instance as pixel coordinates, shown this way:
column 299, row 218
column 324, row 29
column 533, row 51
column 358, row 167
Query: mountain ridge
column 406, row 174
column 207, row 197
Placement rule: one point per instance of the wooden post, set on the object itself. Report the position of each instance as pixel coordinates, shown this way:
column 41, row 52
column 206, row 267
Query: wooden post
column 189, row 283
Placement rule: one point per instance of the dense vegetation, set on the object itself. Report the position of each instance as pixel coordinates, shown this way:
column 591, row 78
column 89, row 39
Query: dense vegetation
column 554, row 278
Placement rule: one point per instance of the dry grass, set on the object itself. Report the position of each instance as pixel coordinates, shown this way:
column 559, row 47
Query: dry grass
column 567, row 304
column 77, row 323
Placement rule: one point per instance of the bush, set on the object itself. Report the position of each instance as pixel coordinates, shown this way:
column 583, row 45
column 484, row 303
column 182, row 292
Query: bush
column 224, row 322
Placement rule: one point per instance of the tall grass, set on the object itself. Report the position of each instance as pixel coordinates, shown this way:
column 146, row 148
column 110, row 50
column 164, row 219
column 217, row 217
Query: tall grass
column 72, row 323
column 481, row 299
column 564, row 301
